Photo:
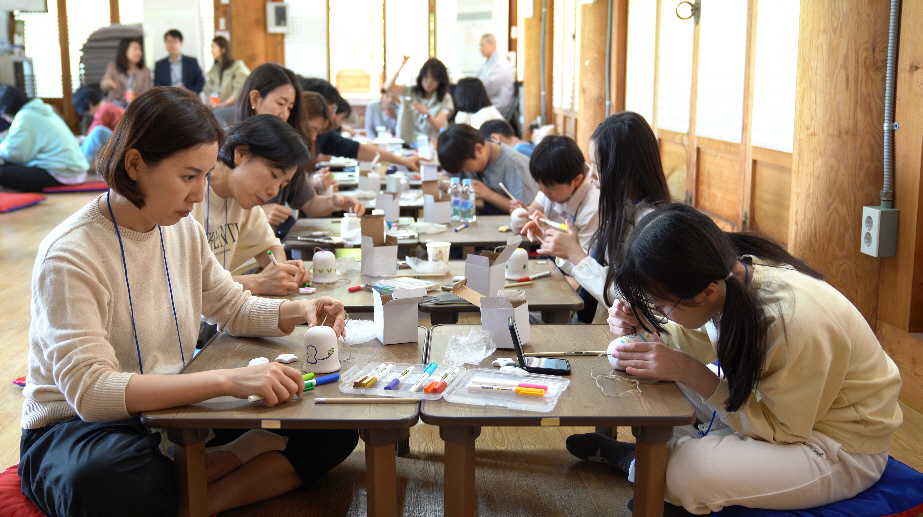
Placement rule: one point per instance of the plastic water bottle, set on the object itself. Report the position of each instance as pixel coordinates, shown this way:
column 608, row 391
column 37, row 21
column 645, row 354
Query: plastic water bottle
column 467, row 202
column 455, row 194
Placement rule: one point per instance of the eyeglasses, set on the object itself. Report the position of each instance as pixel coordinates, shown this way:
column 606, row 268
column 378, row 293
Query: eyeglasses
column 659, row 315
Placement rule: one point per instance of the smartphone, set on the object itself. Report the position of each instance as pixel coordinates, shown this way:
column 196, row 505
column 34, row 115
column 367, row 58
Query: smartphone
column 543, row 365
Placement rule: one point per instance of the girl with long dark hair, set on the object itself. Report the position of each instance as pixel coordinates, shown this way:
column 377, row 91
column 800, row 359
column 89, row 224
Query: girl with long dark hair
column 625, row 162
column 801, row 409
column 473, row 104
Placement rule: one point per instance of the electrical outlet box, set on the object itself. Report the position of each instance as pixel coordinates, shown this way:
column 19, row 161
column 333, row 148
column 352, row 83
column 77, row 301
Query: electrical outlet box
column 879, row 231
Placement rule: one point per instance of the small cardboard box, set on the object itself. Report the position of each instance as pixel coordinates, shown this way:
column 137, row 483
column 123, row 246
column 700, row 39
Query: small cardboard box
column 369, row 181
column 390, row 202
column 437, row 205
column 485, row 272
column 396, row 315
column 397, row 183
column 429, row 172
column 496, row 312
column 379, row 252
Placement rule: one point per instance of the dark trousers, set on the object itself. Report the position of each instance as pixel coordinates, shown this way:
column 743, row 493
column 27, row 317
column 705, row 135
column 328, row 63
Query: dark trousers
column 26, row 179
column 78, row 468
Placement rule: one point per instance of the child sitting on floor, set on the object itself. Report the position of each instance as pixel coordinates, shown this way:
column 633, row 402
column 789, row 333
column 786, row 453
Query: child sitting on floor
column 463, row 150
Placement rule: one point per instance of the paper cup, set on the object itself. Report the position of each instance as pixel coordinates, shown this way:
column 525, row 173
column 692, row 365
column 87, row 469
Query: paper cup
column 436, row 251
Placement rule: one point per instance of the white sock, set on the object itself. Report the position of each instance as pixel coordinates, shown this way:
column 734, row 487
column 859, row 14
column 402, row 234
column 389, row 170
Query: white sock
column 251, row 444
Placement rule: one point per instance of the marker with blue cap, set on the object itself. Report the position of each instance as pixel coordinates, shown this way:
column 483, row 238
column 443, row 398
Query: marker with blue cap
column 426, row 373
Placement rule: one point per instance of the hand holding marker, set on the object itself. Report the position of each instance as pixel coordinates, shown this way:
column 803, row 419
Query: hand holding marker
column 309, row 384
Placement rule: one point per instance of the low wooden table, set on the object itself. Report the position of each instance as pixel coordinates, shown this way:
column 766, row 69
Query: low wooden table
column 381, row 427
column 300, row 240
column 551, row 295
column 652, row 415
column 482, row 233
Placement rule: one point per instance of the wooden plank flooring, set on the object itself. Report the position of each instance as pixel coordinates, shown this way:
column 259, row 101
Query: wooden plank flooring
column 520, row 471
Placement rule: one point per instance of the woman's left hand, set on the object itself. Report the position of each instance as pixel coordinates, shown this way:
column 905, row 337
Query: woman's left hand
column 326, row 311
column 304, row 274
column 653, row 360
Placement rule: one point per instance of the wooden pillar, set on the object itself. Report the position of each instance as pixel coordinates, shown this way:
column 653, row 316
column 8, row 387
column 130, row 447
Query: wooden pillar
column 619, row 68
column 692, row 149
column 249, row 40
column 532, row 78
column 591, row 93
column 900, row 298
column 837, row 160
column 114, row 15
column 67, row 106
column 746, row 131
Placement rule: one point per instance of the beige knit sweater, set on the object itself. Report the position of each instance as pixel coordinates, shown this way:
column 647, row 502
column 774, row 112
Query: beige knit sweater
column 82, row 345
column 824, row 369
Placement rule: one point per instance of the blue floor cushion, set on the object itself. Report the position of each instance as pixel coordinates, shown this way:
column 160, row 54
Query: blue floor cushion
column 899, row 493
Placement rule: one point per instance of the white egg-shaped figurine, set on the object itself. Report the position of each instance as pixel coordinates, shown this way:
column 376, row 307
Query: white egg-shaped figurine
column 324, row 268
column 351, row 229
column 519, row 218
column 321, row 351
column 518, row 265
column 640, row 336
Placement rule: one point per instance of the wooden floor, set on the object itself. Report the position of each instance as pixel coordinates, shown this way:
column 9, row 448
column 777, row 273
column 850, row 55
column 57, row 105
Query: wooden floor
column 520, row 471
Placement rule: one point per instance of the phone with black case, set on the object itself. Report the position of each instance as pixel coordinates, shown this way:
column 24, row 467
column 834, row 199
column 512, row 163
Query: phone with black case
column 542, row 365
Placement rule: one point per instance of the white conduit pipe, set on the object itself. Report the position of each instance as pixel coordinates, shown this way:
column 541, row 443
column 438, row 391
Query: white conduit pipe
column 887, row 192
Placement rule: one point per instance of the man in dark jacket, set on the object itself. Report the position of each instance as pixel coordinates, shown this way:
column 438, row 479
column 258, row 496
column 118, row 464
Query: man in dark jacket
column 177, row 69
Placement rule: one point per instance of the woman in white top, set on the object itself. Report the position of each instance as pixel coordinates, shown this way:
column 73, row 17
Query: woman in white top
column 426, row 106
column 113, row 286
column 473, row 104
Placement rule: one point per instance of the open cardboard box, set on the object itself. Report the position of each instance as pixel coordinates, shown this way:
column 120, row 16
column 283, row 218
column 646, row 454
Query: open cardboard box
column 379, row 251
column 396, row 315
column 437, row 205
column 429, row 172
column 496, row 312
column 369, row 181
column 390, row 202
column 485, row 272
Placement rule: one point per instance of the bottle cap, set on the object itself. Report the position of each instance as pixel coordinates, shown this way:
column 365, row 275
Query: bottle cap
column 466, row 181
column 454, row 180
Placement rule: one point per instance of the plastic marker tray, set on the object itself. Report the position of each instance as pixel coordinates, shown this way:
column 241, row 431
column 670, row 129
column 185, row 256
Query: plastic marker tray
column 459, row 393
column 402, row 389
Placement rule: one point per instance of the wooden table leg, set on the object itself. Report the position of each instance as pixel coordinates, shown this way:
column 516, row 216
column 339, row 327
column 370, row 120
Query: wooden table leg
column 380, row 471
column 443, row 318
column 189, row 467
column 403, row 443
column 460, row 495
column 650, row 469
column 467, row 250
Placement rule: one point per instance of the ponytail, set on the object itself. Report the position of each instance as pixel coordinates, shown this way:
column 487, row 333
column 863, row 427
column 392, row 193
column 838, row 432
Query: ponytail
column 674, row 253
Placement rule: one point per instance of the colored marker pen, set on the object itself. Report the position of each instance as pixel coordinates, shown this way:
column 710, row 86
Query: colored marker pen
column 460, row 228
column 531, row 392
column 320, row 381
column 446, row 380
column 272, row 257
column 306, row 377
column 511, row 384
column 426, row 373
column 375, row 371
column 431, row 387
column 559, row 226
column 395, row 382
column 371, row 382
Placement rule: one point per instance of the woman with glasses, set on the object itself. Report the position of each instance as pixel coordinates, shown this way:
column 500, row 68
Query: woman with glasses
column 801, row 409
column 625, row 167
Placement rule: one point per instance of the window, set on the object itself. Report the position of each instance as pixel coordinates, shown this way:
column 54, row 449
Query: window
column 407, row 33
column 42, row 45
column 675, row 74
column 774, row 83
column 722, row 54
column 639, row 81
column 357, row 45
column 82, row 21
column 566, row 54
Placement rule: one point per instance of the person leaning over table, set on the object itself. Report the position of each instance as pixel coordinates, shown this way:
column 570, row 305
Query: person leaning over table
column 427, row 105
column 118, row 291
column 258, row 157
column 275, row 90
column 331, row 143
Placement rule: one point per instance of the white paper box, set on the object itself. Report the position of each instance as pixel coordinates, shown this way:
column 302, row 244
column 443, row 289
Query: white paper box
column 485, row 272
column 390, row 202
column 496, row 312
column 369, row 181
column 429, row 172
column 379, row 252
column 396, row 315
column 437, row 205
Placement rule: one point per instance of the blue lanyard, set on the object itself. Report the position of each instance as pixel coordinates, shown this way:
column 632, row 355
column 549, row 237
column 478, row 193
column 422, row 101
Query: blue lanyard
column 128, row 285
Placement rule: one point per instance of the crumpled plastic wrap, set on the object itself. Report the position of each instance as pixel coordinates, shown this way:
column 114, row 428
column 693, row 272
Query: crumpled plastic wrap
column 428, row 228
column 364, row 195
column 360, row 331
column 346, row 265
column 427, row 266
column 470, row 349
